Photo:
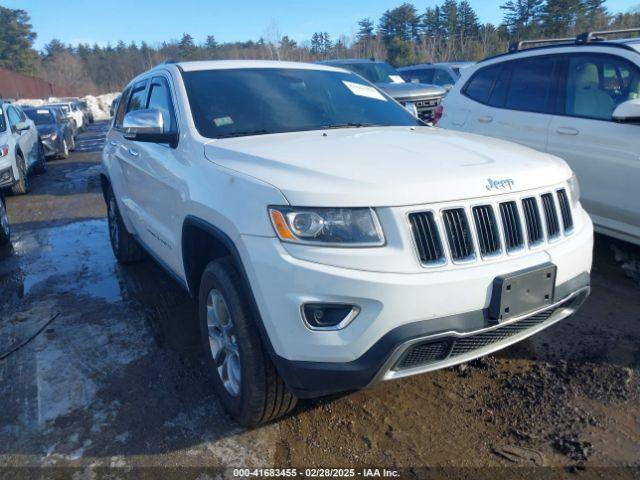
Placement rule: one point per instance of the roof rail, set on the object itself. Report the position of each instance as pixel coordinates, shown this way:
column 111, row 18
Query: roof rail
column 588, row 37
column 582, row 39
column 517, row 46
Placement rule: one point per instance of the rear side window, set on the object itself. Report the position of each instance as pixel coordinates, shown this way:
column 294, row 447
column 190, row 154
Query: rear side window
column 121, row 108
column 480, row 85
column 424, row 75
column 532, row 85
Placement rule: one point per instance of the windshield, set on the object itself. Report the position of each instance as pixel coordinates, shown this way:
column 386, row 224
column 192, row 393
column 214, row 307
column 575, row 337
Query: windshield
column 254, row 101
column 40, row 116
column 3, row 124
column 375, row 72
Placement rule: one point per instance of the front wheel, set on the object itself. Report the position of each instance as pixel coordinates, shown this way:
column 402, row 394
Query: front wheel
column 41, row 164
column 5, row 230
column 243, row 375
column 21, row 187
column 65, row 149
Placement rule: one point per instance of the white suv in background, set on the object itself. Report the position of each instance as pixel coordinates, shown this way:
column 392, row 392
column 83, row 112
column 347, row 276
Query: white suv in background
column 579, row 101
column 21, row 150
column 331, row 239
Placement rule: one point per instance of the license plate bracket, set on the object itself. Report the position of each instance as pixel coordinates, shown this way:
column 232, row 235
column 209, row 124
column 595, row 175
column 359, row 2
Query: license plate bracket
column 522, row 292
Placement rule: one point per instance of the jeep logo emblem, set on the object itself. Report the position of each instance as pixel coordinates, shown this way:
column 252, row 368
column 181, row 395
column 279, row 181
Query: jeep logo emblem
column 503, row 184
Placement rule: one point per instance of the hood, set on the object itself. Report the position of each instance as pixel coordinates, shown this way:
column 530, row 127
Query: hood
column 386, row 166
column 412, row 91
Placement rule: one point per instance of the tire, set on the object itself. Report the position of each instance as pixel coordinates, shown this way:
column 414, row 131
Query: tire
column 65, row 149
column 72, row 147
column 5, row 229
column 41, row 164
column 124, row 245
column 260, row 395
column 21, row 187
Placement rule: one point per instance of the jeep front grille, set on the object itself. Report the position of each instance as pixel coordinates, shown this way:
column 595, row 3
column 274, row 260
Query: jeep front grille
column 492, row 230
column 427, row 239
column 458, row 234
column 551, row 216
column 511, row 225
column 487, row 228
column 535, row 233
column 565, row 210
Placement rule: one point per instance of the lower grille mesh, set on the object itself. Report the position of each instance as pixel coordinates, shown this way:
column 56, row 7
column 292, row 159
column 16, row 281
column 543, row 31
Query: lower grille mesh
column 428, row 352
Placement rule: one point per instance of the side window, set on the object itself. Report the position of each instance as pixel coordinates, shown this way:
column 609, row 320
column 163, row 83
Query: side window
column 138, row 98
column 501, row 86
column 23, row 117
column 531, row 88
column 121, row 108
column 160, row 99
column 479, row 87
column 442, row 77
column 598, row 83
column 14, row 117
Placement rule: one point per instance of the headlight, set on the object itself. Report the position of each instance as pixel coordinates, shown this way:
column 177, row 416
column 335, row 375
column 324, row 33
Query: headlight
column 338, row 227
column 574, row 190
column 4, row 150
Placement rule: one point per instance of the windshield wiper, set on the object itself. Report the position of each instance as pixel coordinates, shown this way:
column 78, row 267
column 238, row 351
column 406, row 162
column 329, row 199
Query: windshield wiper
column 347, row 125
column 243, row 134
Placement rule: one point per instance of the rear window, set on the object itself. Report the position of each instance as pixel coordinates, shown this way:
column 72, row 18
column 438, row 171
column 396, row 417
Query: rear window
column 479, row 86
column 40, row 116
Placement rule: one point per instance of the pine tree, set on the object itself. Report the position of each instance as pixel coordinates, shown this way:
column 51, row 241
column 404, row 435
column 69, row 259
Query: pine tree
column 561, row 16
column 522, row 16
column 432, row 25
column 16, row 41
column 467, row 19
column 402, row 22
column 449, row 17
column 366, row 29
column 186, row 47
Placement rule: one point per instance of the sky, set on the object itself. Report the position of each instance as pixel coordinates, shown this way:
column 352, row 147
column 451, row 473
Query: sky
column 103, row 21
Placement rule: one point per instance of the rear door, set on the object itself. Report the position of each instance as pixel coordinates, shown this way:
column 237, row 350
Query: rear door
column 605, row 155
column 522, row 101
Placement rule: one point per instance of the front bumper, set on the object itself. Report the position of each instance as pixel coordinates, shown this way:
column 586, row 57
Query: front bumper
column 51, row 147
column 386, row 360
column 395, row 308
column 7, row 175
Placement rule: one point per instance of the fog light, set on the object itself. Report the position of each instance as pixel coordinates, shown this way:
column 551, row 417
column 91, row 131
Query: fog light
column 328, row 316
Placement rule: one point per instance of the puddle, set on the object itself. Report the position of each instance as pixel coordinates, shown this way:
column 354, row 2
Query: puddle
column 71, row 258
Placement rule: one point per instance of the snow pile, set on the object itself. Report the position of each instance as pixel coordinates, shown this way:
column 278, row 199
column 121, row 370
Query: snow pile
column 98, row 105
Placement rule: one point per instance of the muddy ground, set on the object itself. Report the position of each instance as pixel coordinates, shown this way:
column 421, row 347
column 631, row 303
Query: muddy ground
column 115, row 377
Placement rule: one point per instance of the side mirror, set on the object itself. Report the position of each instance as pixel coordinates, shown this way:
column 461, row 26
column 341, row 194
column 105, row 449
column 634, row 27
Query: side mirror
column 628, row 112
column 22, row 126
column 147, row 125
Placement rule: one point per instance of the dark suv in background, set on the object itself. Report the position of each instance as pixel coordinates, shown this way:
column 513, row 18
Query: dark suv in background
column 422, row 100
column 444, row 74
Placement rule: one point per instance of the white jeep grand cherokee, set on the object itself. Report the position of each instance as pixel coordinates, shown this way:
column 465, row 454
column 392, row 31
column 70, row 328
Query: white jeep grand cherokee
column 333, row 240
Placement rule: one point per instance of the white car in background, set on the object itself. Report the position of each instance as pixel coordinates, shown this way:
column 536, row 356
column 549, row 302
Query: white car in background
column 579, row 100
column 71, row 110
column 21, row 151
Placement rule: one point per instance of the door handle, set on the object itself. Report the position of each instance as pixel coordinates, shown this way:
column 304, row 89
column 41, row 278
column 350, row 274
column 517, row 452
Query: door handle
column 133, row 153
column 485, row 119
column 567, row 131
column 113, row 143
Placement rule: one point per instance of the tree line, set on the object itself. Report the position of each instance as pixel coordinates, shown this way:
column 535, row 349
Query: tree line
column 403, row 35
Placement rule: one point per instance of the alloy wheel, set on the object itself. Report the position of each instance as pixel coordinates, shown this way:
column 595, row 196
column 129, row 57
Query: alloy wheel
column 223, row 342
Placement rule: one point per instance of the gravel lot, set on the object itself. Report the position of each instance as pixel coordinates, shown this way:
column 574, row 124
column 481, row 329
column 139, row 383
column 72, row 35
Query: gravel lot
column 115, row 376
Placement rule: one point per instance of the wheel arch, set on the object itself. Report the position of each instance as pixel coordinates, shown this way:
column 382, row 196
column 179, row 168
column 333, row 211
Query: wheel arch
column 202, row 243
